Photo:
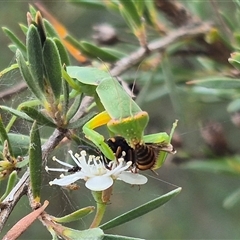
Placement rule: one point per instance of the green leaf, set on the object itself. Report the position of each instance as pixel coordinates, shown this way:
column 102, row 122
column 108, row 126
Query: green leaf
column 52, row 64
column 217, row 82
column 38, row 116
column 75, row 215
column 80, row 122
column 227, row 165
column 234, row 106
column 4, row 136
column 139, row 5
column 23, row 162
column 26, row 74
column 70, row 81
column 35, row 162
column 74, row 107
column 16, row 113
column 8, row 69
column 93, row 233
column 129, row 12
column 117, row 237
column 232, row 199
column 235, row 60
column 19, row 44
column 24, row 28
column 32, row 10
column 19, row 144
column 87, row 3
column 65, row 99
column 96, row 52
column 13, row 48
column 51, row 32
column 141, row 210
column 76, row 44
column 117, row 54
column 35, row 56
column 62, row 52
column 228, row 21
column 12, row 179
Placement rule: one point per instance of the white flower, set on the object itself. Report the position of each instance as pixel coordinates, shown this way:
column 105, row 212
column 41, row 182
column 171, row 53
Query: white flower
column 97, row 175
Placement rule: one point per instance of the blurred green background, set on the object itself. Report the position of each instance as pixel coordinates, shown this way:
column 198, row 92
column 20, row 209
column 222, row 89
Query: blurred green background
column 197, row 212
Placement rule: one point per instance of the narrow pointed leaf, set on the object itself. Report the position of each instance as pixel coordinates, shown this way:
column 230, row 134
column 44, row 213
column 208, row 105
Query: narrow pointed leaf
column 227, row 165
column 79, row 50
column 87, row 3
column 130, row 13
column 232, row 199
column 9, row 69
column 24, row 28
column 51, row 32
column 12, row 179
column 26, row 74
column 35, row 162
column 117, row 54
column 4, row 136
column 96, row 52
column 38, row 116
column 70, row 81
column 19, row 44
column 65, row 101
column 117, row 237
column 234, row 106
column 75, row 215
column 32, row 10
column 19, row 144
column 13, row 48
column 217, row 83
column 80, row 122
column 23, row 163
column 141, row 210
column 40, row 27
column 62, row 52
column 74, row 107
column 93, row 233
column 16, row 113
column 35, row 57
column 52, row 66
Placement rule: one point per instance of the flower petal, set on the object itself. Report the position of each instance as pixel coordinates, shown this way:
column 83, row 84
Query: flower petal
column 66, row 180
column 132, row 178
column 99, row 183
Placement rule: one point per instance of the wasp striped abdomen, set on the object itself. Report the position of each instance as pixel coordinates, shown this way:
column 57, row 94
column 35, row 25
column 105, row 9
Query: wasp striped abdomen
column 145, row 156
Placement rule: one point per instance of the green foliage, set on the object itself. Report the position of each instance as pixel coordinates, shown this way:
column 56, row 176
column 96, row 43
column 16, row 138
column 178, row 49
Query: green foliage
column 35, row 162
column 169, row 49
column 141, row 210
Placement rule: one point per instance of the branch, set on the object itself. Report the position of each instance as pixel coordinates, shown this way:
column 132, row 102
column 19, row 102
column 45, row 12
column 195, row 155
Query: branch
column 175, row 12
column 17, row 88
column 186, row 32
column 22, row 186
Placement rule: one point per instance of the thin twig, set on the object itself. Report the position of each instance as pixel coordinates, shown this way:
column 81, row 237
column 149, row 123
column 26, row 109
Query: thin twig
column 10, row 92
column 192, row 31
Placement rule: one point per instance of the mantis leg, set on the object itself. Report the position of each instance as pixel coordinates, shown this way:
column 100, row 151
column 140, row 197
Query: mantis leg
column 158, row 138
column 88, row 129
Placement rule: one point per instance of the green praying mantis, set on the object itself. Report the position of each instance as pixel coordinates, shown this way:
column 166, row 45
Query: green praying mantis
column 122, row 116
